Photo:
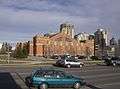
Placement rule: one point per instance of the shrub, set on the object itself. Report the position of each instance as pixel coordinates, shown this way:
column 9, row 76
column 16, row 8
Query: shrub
column 94, row 58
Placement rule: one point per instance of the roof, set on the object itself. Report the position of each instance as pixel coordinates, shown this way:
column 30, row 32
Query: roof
column 62, row 37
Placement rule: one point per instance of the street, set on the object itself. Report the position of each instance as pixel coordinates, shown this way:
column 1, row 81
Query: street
column 96, row 76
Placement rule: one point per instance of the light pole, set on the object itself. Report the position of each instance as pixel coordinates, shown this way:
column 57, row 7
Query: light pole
column 8, row 55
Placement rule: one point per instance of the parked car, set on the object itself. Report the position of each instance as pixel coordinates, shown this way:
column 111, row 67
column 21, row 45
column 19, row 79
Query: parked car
column 69, row 62
column 55, row 57
column 58, row 62
column 113, row 61
column 44, row 78
column 65, row 56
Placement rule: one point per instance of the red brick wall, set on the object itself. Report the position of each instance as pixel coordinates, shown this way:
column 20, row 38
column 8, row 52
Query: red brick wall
column 31, row 49
column 60, row 44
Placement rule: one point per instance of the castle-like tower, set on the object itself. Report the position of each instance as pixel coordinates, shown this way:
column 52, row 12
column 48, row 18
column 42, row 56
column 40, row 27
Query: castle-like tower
column 67, row 28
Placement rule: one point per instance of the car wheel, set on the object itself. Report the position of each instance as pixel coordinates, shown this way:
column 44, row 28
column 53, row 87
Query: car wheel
column 27, row 81
column 68, row 66
column 81, row 65
column 77, row 85
column 43, row 86
column 114, row 64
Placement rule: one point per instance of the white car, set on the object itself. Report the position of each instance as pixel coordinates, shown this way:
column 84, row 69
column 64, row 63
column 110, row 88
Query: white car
column 70, row 62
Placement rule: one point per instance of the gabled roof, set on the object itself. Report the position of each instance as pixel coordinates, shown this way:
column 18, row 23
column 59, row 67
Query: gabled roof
column 61, row 37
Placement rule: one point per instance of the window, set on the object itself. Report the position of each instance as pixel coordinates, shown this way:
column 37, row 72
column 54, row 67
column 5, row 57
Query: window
column 59, row 74
column 69, row 60
column 39, row 73
column 72, row 60
column 44, row 73
column 76, row 60
column 48, row 74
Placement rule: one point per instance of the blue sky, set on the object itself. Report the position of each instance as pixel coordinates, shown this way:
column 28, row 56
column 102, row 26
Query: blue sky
column 20, row 20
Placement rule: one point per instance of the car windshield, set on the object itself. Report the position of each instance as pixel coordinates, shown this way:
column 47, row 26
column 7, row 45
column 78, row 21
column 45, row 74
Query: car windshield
column 76, row 60
column 33, row 72
column 63, row 73
column 115, row 58
column 72, row 60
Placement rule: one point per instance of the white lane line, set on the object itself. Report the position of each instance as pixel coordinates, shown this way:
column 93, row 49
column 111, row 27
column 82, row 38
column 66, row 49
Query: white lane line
column 108, row 84
column 116, row 83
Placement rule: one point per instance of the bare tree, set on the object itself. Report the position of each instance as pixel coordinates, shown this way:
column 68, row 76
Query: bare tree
column 88, row 52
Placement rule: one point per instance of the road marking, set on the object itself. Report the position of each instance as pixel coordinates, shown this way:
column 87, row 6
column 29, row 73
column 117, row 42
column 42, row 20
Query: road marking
column 19, row 80
column 21, row 73
column 108, row 84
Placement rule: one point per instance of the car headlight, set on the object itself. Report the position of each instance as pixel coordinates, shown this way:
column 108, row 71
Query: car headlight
column 83, row 82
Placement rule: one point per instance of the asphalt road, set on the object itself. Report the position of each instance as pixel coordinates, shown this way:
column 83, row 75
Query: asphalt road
column 97, row 77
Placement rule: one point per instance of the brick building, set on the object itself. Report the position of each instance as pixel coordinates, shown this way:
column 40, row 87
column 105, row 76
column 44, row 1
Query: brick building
column 60, row 43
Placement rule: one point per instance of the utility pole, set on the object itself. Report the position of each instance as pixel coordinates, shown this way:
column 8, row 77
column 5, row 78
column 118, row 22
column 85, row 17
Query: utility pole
column 8, row 55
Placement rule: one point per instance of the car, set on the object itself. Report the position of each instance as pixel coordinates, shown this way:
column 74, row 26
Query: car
column 65, row 56
column 81, row 57
column 58, row 62
column 43, row 78
column 55, row 57
column 112, row 61
column 69, row 62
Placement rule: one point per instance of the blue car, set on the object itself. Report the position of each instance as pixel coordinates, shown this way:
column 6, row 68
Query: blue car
column 44, row 78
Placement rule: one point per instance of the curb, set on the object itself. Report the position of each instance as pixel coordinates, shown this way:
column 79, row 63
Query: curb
column 51, row 62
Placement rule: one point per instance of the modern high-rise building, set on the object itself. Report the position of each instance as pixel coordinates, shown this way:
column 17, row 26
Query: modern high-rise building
column 100, row 43
column 117, row 52
column 118, row 41
column 113, row 41
column 68, row 29
column 111, row 48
